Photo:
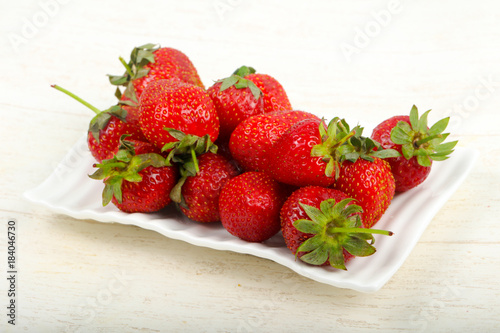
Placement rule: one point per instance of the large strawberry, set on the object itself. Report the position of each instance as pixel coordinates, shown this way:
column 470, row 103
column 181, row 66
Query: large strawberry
column 273, row 93
column 198, row 193
column 418, row 144
column 107, row 127
column 308, row 153
column 137, row 178
column 149, row 63
column 253, row 138
column 323, row 226
column 235, row 99
column 249, row 206
column 173, row 104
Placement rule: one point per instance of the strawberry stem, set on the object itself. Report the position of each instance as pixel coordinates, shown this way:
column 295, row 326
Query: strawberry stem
column 360, row 231
column 70, row 94
column 127, row 67
column 427, row 139
column 195, row 160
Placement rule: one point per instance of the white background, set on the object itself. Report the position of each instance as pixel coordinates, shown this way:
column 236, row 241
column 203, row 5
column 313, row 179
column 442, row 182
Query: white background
column 363, row 60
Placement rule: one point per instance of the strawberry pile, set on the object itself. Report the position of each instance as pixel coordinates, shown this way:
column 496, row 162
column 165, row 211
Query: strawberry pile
column 238, row 154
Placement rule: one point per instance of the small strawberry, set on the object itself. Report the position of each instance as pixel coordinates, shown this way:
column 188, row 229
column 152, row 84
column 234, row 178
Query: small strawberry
column 136, row 180
column 418, row 145
column 149, row 63
column 106, row 128
column 249, row 206
column 253, row 138
column 198, row 194
column 371, row 183
column 323, row 226
column 273, row 93
column 173, row 104
column 235, row 99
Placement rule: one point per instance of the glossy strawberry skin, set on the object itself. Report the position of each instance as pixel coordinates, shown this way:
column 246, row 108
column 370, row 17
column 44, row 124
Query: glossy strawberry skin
column 109, row 138
column 169, row 63
column 249, row 206
column 181, row 106
column 201, row 192
column 233, row 105
column 151, row 194
column 407, row 173
column 273, row 93
column 371, row 184
column 253, row 138
column 291, row 212
column 290, row 159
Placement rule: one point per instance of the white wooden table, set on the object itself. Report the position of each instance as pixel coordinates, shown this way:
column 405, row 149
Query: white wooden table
column 365, row 60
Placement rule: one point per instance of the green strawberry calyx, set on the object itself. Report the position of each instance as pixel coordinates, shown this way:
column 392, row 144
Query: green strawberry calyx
column 125, row 165
column 134, row 69
column 101, row 118
column 339, row 143
column 336, row 227
column 237, row 79
column 416, row 139
column 184, row 152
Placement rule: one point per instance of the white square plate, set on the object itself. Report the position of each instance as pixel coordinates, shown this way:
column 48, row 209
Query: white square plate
column 69, row 190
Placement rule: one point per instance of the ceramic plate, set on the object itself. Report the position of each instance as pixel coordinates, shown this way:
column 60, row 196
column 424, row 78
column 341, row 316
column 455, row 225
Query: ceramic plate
column 69, row 190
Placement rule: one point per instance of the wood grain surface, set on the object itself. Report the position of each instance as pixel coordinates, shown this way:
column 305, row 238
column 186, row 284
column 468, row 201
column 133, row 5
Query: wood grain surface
column 363, row 60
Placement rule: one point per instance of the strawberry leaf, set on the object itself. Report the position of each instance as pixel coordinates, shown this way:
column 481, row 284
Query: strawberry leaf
column 335, row 226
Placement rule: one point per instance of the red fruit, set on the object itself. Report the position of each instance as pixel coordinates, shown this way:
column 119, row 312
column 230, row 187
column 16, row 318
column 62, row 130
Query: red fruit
column 107, row 127
column 292, row 211
column 273, row 93
column 417, row 144
column 235, row 100
column 290, row 159
column 149, row 63
column 370, row 183
column 176, row 105
column 322, row 226
column 137, row 182
column 199, row 197
column 253, row 138
column 249, row 206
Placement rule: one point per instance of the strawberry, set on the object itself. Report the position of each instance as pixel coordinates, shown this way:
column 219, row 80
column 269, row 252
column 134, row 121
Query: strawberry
column 235, row 99
column 322, row 226
column 173, row 104
column 290, row 158
column 273, row 93
column 249, row 206
column 106, row 128
column 136, row 179
column 371, row 183
column 253, row 138
column 417, row 144
column 149, row 63
column 198, row 194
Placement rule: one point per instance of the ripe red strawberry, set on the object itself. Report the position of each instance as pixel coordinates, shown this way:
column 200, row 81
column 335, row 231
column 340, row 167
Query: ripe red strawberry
column 136, row 181
column 173, row 104
column 369, row 182
column 249, row 206
column 323, row 226
column 273, row 93
column 198, row 195
column 106, row 128
column 291, row 160
column 235, row 100
column 149, row 63
column 253, row 138
column 417, row 144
